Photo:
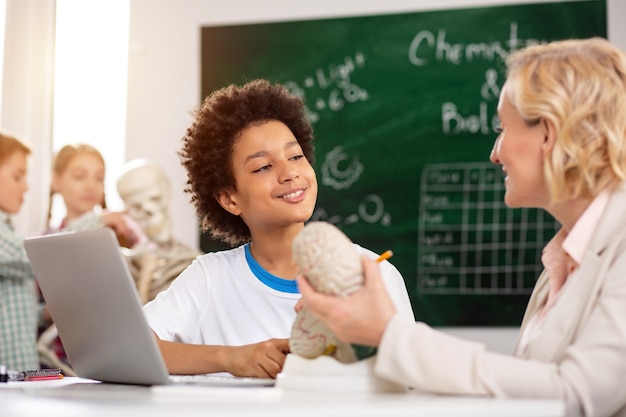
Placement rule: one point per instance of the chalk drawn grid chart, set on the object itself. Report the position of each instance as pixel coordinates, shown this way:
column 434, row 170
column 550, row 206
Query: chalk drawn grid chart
column 469, row 241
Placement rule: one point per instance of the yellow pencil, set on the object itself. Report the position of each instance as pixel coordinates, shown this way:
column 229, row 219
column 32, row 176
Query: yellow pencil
column 384, row 256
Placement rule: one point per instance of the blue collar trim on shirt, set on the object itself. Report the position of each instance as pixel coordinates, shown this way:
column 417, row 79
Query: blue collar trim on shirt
column 272, row 281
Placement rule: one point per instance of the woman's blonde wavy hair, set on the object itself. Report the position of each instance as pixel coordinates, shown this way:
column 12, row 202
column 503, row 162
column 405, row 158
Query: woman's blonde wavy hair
column 578, row 85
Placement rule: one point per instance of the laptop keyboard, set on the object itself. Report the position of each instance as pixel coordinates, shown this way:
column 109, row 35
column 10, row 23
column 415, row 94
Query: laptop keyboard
column 222, row 380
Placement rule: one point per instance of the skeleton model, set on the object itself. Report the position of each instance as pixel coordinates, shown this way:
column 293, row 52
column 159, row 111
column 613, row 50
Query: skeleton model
column 332, row 265
column 145, row 190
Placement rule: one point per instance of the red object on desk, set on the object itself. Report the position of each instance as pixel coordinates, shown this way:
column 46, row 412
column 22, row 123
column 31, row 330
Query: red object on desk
column 43, row 377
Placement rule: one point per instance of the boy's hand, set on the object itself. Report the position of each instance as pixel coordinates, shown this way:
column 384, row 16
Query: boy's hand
column 260, row 360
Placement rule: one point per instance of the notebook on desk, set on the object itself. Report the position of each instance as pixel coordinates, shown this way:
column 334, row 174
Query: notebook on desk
column 93, row 301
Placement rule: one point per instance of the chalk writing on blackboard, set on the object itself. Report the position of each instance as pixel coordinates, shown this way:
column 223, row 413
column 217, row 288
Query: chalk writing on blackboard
column 335, row 79
column 469, row 242
column 428, row 47
column 426, row 43
column 339, row 171
column 453, row 122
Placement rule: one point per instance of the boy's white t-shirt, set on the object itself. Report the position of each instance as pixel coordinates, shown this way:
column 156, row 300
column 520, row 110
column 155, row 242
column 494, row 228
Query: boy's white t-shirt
column 227, row 298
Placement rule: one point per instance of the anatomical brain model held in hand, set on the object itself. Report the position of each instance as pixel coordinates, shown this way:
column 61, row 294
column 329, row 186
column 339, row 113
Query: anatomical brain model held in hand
column 332, row 264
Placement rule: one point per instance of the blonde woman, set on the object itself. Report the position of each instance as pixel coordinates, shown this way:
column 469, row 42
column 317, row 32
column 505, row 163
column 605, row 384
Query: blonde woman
column 562, row 148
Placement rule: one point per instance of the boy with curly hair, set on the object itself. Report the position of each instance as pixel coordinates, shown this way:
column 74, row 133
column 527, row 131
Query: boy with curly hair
column 249, row 156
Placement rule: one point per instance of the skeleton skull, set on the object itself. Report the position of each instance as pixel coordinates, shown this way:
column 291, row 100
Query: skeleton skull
column 145, row 190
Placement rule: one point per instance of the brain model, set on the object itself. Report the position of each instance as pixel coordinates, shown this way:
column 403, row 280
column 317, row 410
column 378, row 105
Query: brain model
column 328, row 259
column 332, row 264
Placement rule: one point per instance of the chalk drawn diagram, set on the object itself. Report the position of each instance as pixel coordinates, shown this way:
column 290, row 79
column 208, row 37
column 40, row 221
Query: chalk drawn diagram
column 341, row 170
column 469, row 242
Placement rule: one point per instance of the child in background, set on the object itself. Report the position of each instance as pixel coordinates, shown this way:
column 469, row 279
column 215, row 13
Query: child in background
column 248, row 156
column 18, row 299
column 78, row 173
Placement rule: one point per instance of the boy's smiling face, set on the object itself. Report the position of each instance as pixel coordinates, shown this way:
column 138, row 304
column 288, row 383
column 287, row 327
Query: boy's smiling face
column 276, row 184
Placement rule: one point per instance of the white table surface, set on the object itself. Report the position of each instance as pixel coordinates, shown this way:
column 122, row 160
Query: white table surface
column 79, row 397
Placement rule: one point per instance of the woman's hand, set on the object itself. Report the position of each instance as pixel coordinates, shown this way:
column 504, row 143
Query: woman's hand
column 359, row 318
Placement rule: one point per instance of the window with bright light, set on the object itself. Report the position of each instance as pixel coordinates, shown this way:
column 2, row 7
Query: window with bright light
column 91, row 72
column 3, row 11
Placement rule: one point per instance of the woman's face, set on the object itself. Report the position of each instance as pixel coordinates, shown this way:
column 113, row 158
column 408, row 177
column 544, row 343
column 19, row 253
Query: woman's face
column 81, row 184
column 13, row 182
column 520, row 149
column 276, row 184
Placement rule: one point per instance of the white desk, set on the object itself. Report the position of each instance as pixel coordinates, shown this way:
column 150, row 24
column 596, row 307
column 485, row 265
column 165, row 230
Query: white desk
column 77, row 397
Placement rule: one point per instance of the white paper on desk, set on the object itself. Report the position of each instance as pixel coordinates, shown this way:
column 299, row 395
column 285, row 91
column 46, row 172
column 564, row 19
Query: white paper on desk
column 206, row 393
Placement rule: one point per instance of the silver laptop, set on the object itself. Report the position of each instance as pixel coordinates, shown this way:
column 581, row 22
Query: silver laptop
column 94, row 303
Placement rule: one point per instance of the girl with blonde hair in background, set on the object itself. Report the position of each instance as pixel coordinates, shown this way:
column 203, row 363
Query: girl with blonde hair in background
column 78, row 173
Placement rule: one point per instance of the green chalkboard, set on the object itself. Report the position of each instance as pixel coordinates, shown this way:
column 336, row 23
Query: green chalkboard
column 403, row 108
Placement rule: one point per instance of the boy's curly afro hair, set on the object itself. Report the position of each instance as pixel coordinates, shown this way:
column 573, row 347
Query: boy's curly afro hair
column 208, row 146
